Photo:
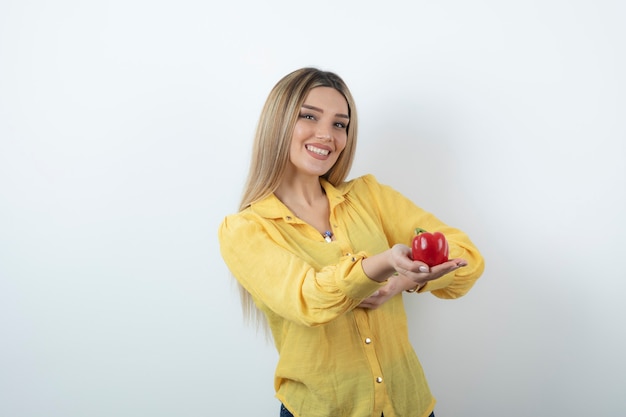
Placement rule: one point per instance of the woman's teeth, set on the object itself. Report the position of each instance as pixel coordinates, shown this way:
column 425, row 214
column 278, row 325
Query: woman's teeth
column 318, row 151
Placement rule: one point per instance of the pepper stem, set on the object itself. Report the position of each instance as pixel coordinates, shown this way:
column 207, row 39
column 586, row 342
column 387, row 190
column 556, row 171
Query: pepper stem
column 419, row 230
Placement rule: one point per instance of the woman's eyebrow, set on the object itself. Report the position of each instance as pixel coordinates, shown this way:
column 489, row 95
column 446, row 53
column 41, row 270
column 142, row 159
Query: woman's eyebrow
column 308, row 106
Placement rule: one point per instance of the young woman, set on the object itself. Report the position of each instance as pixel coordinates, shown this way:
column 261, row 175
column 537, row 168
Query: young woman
column 326, row 260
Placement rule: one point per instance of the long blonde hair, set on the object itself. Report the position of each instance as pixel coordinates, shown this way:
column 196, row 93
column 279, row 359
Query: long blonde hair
column 270, row 152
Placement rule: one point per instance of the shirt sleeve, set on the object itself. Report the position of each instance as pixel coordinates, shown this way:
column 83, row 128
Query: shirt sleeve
column 282, row 281
column 400, row 225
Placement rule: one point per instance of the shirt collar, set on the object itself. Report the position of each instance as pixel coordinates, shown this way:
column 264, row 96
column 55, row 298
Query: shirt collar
column 271, row 207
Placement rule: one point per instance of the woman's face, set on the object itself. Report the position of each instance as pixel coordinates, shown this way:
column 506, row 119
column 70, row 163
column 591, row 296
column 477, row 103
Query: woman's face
column 320, row 133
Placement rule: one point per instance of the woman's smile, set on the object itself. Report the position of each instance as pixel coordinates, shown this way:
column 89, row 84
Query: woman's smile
column 318, row 150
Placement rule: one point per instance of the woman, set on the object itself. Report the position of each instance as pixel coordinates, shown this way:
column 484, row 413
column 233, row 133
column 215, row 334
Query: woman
column 326, row 260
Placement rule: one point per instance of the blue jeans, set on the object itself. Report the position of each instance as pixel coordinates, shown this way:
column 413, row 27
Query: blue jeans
column 285, row 413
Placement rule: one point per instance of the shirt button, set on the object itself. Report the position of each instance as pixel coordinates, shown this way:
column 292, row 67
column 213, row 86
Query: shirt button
column 368, row 340
column 379, row 379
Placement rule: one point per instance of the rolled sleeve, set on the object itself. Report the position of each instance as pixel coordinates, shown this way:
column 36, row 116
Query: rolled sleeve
column 288, row 285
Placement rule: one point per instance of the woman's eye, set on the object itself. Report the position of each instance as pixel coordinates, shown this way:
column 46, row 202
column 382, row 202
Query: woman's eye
column 340, row 125
column 307, row 116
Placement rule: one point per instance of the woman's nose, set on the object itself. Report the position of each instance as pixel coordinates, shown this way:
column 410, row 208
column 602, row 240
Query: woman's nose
column 323, row 134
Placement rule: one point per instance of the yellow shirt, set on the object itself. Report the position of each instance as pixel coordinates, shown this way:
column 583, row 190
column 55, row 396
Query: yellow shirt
column 335, row 359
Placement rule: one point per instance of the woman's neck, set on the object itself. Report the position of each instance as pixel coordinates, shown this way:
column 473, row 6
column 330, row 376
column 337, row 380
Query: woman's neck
column 300, row 192
column 307, row 201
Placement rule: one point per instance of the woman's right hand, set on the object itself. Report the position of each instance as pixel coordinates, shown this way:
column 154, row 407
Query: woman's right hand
column 417, row 271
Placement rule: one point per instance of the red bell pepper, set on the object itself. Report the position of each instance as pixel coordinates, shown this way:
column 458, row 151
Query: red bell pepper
column 430, row 248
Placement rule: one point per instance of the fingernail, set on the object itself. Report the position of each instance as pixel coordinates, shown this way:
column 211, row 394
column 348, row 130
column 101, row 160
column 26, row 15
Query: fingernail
column 423, row 268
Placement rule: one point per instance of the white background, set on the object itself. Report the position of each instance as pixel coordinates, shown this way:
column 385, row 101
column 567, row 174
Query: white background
column 125, row 130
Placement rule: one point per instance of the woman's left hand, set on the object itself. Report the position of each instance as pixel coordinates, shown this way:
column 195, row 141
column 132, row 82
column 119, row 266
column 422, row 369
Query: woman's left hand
column 395, row 285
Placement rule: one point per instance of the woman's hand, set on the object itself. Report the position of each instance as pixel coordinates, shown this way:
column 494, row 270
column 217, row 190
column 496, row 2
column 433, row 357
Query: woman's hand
column 399, row 283
column 398, row 259
column 395, row 285
column 417, row 271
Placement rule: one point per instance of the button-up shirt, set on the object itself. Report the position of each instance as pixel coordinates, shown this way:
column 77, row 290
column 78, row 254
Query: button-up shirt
column 336, row 359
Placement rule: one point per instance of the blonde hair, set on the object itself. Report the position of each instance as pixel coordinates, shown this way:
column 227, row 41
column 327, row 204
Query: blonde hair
column 270, row 152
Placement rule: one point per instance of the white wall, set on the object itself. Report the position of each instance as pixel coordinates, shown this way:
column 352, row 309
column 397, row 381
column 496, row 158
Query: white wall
column 125, row 129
